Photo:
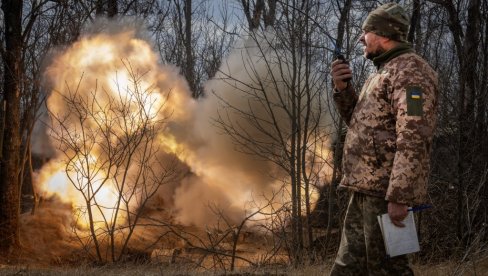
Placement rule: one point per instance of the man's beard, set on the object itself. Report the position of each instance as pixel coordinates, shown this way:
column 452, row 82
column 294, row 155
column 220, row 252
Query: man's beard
column 379, row 51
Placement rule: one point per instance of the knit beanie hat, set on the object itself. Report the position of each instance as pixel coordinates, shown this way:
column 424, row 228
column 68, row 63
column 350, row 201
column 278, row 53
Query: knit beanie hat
column 388, row 20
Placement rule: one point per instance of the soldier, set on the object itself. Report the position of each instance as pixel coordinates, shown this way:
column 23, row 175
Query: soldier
column 388, row 143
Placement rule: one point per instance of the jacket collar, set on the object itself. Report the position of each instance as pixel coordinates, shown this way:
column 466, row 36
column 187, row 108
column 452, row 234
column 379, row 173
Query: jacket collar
column 401, row 49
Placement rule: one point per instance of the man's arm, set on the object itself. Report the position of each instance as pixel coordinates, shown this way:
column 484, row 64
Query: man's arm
column 344, row 95
column 414, row 107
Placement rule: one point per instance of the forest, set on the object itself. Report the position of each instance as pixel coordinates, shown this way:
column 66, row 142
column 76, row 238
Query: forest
column 200, row 136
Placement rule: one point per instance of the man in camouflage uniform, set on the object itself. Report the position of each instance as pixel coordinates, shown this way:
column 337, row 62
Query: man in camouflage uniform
column 388, row 143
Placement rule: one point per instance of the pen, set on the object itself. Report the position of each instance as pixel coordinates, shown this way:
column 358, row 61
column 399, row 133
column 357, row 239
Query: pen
column 419, row 208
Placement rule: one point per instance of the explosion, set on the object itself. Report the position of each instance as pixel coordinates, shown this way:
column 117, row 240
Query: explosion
column 125, row 130
column 109, row 101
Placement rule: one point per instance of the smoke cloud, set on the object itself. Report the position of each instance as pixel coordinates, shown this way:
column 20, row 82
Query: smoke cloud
column 217, row 172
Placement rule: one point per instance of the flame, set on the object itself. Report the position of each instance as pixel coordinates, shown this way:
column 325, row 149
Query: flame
column 104, row 73
column 54, row 180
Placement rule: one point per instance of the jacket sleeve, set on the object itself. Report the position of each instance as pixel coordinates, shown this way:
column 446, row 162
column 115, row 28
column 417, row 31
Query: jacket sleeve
column 345, row 102
column 414, row 101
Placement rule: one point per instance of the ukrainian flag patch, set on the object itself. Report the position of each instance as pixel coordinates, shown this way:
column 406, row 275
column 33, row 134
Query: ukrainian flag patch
column 414, row 101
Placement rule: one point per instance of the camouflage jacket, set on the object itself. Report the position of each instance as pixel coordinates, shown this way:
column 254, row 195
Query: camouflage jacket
column 391, row 124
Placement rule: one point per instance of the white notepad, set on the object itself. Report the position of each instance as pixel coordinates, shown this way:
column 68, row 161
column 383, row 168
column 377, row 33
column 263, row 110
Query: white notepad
column 399, row 240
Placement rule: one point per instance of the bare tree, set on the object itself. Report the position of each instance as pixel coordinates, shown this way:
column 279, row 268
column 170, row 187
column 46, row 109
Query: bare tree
column 467, row 46
column 10, row 147
column 339, row 139
column 284, row 121
column 414, row 30
column 194, row 35
column 184, row 14
column 106, row 7
column 110, row 147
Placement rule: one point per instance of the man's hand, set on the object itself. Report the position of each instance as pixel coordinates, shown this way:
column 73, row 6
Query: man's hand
column 340, row 71
column 397, row 212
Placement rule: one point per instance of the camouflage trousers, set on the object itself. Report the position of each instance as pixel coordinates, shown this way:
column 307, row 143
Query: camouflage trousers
column 362, row 251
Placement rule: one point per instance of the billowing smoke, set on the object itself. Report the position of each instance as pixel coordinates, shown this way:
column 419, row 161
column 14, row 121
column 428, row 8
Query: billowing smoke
column 213, row 171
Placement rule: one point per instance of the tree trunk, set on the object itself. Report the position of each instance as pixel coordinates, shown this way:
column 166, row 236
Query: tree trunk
column 467, row 128
column 339, row 138
column 270, row 14
column 100, row 7
column 467, row 53
column 413, row 32
column 481, row 120
column 254, row 19
column 190, row 60
column 112, row 8
column 9, row 167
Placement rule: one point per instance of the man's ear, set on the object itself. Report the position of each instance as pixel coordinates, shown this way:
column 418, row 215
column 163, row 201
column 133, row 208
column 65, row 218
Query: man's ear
column 388, row 43
column 385, row 40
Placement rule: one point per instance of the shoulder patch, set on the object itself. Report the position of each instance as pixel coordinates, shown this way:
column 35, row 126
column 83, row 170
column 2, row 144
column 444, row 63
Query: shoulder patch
column 414, row 101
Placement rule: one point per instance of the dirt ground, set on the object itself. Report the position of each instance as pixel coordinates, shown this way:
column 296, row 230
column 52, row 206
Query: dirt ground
column 475, row 267
column 159, row 269
column 46, row 250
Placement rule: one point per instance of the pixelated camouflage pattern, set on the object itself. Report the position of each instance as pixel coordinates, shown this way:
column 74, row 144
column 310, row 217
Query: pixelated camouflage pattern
column 362, row 249
column 388, row 20
column 346, row 101
column 386, row 151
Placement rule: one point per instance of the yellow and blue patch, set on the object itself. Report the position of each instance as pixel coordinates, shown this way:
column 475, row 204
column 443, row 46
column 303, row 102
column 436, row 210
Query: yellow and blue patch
column 414, row 101
column 415, row 95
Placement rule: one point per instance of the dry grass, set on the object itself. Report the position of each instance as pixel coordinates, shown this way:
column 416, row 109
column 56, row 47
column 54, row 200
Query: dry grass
column 478, row 267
